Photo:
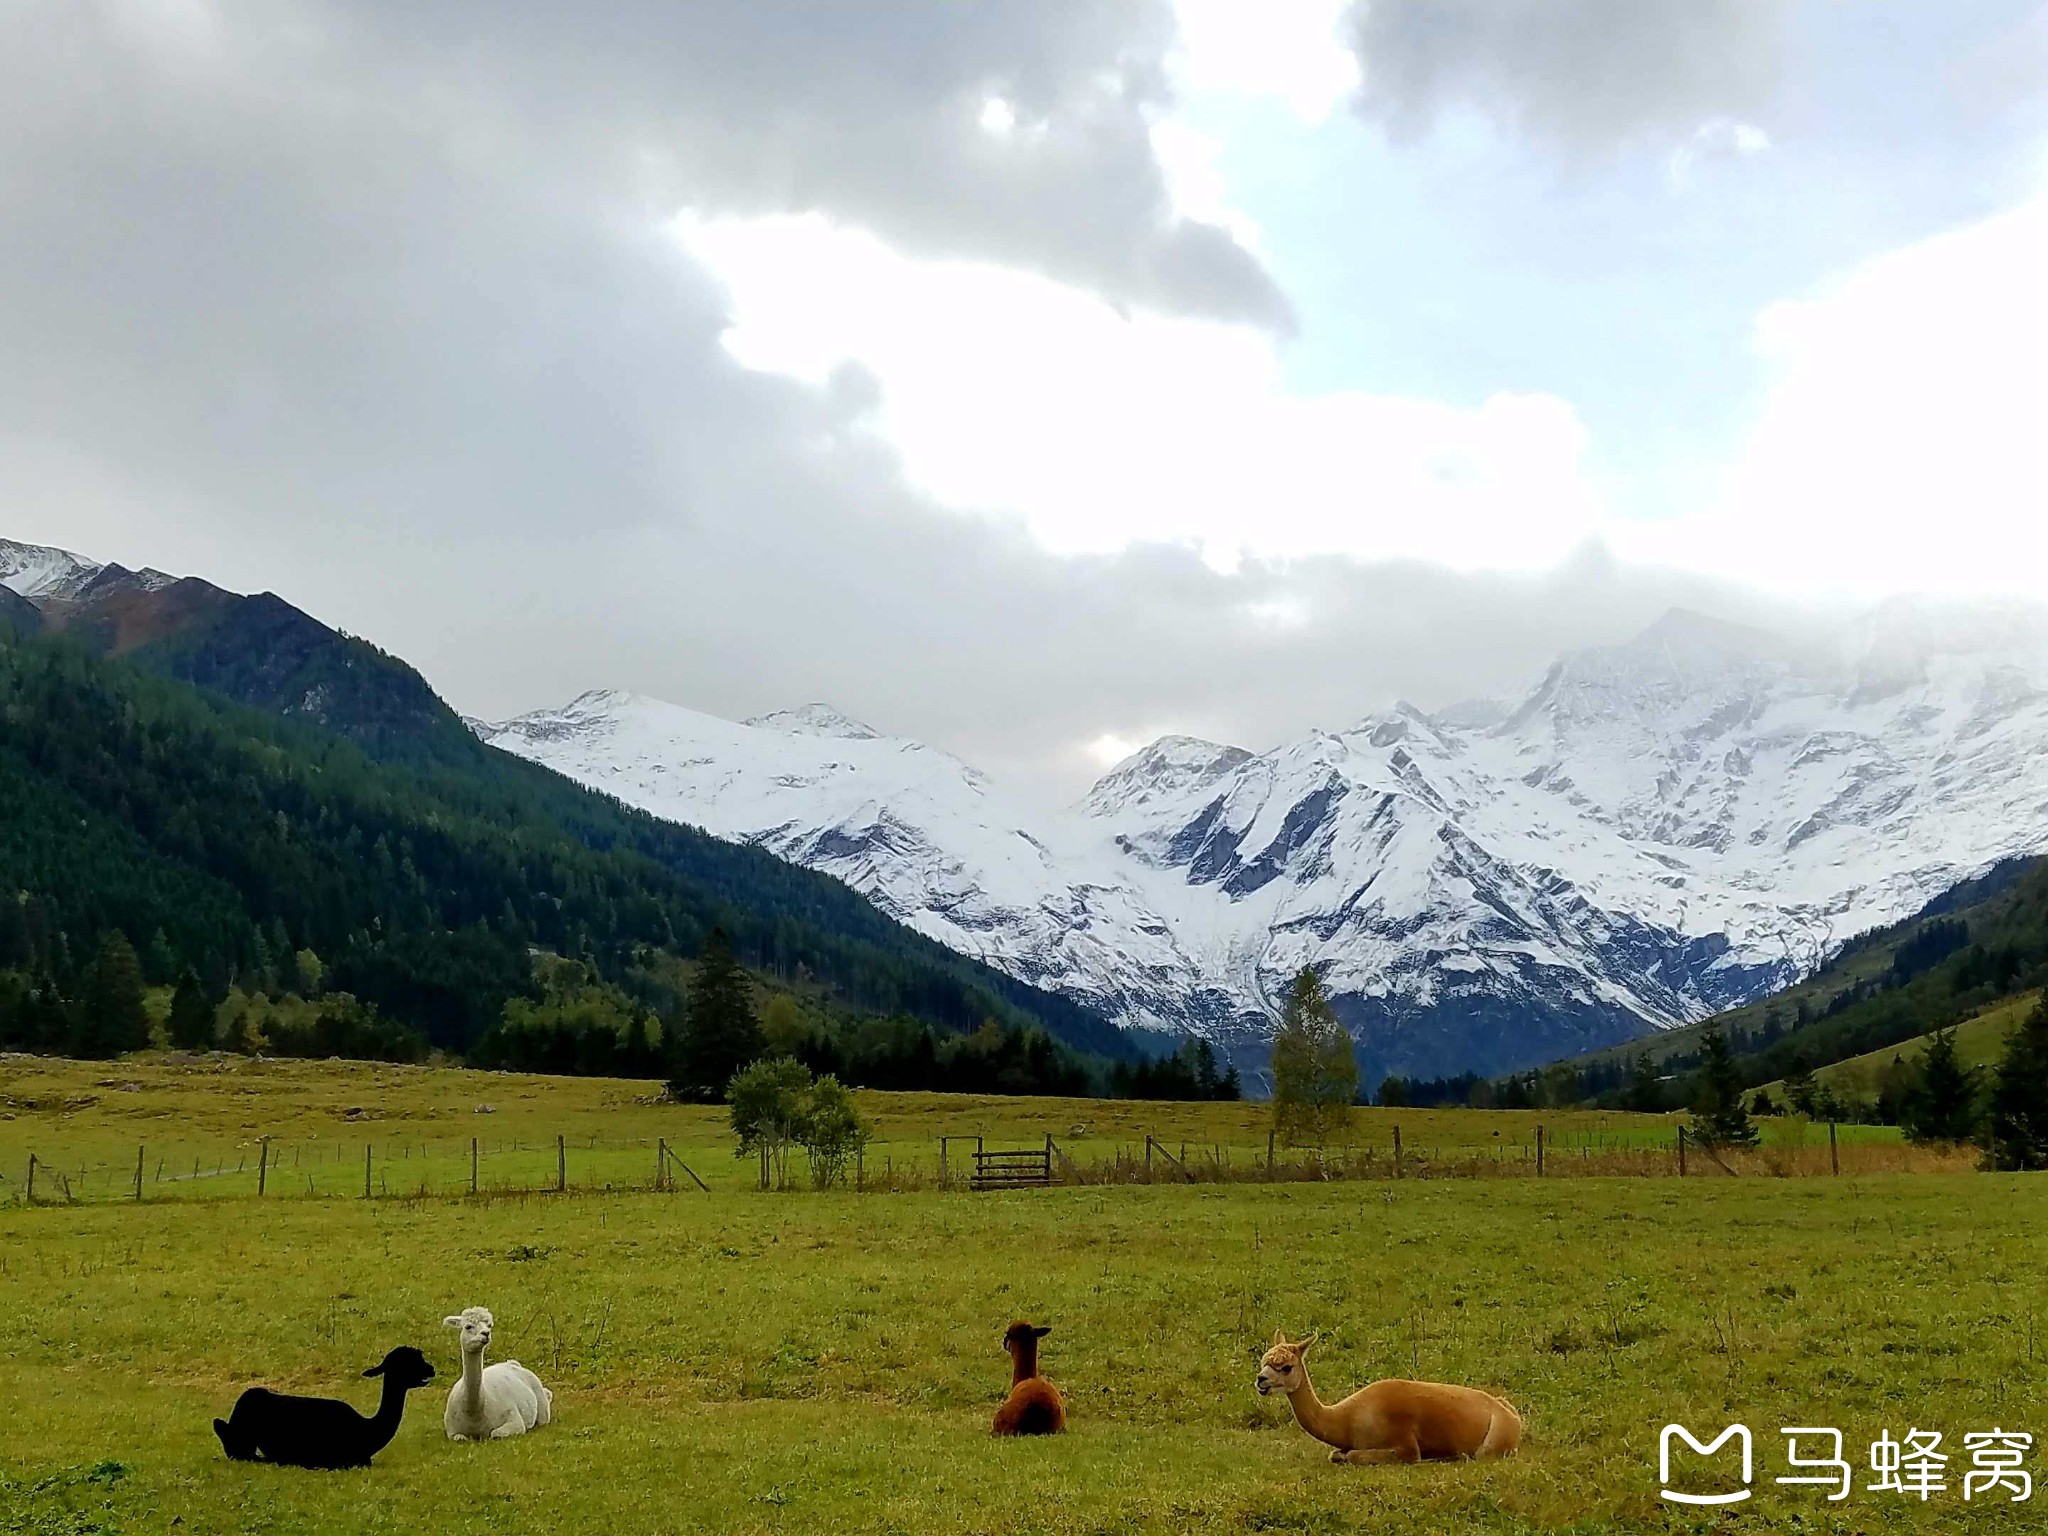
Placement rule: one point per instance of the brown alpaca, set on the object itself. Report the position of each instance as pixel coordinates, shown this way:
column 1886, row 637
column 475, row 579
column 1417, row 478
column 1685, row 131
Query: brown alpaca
column 1392, row 1420
column 1033, row 1406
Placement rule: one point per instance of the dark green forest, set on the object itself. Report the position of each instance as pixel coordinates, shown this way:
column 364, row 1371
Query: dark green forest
column 368, row 835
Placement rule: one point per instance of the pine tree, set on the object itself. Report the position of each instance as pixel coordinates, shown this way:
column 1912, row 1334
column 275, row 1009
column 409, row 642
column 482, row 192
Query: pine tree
column 111, row 1015
column 159, row 961
column 2016, row 1129
column 1799, row 1088
column 16, row 952
column 719, row 1033
column 1942, row 1102
column 1315, row 1068
column 191, row 1022
column 1718, row 1118
column 1644, row 1093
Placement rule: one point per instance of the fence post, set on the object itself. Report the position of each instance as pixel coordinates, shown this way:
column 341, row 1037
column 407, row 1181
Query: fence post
column 561, row 1165
column 1834, row 1157
column 366, row 1170
column 472, row 1165
column 138, row 1173
column 1681, row 1151
column 1148, row 1157
column 660, row 1163
column 1397, row 1151
column 30, row 1197
column 262, row 1163
column 1270, row 1135
column 942, row 1162
column 1539, row 1151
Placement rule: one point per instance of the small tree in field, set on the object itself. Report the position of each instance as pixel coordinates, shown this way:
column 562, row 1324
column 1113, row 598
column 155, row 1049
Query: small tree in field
column 1718, row 1118
column 765, row 1107
column 831, row 1131
column 1315, row 1069
column 776, row 1104
column 1941, row 1104
column 2016, row 1129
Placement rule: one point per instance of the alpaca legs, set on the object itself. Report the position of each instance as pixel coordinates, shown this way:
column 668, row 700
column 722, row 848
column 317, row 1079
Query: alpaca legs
column 1404, row 1450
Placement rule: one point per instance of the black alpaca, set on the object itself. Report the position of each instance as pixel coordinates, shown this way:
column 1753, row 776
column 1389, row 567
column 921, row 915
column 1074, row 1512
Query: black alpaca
column 321, row 1431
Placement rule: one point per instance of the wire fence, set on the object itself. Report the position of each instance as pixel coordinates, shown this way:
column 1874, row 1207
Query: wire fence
column 414, row 1168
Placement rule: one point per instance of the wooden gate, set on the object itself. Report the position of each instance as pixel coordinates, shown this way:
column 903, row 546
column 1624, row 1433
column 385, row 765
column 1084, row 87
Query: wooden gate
column 1012, row 1170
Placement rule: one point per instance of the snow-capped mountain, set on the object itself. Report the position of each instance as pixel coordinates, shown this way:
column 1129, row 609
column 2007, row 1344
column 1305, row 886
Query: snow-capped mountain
column 41, row 573
column 1654, row 831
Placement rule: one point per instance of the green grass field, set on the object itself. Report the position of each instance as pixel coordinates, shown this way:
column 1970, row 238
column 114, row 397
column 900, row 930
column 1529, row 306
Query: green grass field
column 196, row 1129
column 742, row 1361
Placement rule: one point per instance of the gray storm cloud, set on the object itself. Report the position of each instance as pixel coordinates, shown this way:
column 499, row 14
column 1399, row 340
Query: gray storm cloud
column 1582, row 75
column 372, row 306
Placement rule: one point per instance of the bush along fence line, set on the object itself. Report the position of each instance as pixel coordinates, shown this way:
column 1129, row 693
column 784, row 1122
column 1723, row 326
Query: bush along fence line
column 273, row 1167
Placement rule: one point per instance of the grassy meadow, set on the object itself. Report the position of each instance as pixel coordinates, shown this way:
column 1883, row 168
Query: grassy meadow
column 739, row 1361
column 198, row 1125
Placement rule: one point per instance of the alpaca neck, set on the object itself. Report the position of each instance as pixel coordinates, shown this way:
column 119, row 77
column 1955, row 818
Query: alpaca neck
column 1309, row 1411
column 1024, row 1361
column 390, row 1409
column 472, row 1388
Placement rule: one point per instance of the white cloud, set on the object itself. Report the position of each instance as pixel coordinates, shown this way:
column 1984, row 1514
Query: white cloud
column 1903, row 441
column 1719, row 138
column 1005, row 392
column 1293, row 50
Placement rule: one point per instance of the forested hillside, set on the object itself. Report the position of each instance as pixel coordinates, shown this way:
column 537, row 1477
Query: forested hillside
column 1979, row 947
column 220, row 839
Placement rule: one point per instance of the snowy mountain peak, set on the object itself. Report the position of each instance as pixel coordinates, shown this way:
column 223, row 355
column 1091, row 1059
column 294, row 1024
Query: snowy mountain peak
column 815, row 720
column 1663, row 828
column 41, row 573
column 1170, row 767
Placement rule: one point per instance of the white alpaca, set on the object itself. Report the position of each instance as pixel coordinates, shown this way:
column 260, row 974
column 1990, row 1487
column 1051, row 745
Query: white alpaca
column 496, row 1403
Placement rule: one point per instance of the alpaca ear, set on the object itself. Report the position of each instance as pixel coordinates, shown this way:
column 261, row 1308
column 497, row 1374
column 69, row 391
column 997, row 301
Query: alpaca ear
column 375, row 1370
column 1279, row 1337
column 1302, row 1346
column 451, row 1322
column 1039, row 1333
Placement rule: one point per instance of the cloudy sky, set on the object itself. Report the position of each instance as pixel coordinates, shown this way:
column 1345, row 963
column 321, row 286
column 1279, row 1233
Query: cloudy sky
column 1032, row 376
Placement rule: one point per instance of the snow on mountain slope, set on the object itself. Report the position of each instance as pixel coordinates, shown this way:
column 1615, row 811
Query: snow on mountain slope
column 41, row 573
column 923, row 835
column 1655, row 831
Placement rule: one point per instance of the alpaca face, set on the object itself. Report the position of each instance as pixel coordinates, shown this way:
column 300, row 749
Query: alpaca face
column 473, row 1326
column 404, row 1367
column 1280, row 1370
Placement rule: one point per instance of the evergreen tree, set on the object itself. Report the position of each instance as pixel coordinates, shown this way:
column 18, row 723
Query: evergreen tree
column 1718, row 1118
column 1799, row 1089
column 160, row 961
column 1644, row 1093
column 1315, row 1068
column 2016, row 1129
column 1942, row 1103
column 191, row 1021
column 16, row 953
column 719, row 1033
column 111, row 1017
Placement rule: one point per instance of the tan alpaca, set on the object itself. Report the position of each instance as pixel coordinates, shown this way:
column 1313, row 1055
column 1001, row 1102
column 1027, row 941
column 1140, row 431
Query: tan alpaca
column 1392, row 1420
